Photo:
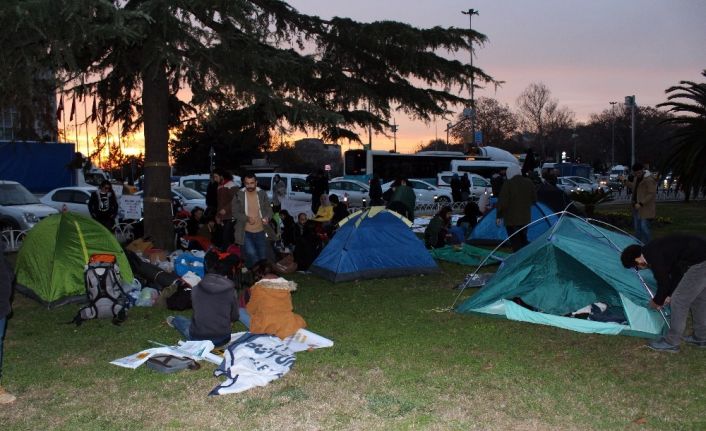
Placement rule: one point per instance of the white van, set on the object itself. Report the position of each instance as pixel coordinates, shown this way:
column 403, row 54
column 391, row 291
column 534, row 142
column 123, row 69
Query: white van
column 484, row 168
column 297, row 187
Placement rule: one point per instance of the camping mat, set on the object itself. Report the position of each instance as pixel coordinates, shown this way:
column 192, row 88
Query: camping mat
column 465, row 254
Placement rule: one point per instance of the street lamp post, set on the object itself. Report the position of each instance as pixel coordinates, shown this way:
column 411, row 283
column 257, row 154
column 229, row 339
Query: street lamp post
column 612, row 138
column 630, row 103
column 470, row 13
column 394, row 134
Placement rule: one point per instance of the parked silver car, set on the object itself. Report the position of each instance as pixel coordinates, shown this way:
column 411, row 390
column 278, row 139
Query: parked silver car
column 426, row 193
column 351, row 191
column 20, row 209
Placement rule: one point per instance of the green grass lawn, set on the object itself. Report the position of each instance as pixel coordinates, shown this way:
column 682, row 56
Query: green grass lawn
column 401, row 361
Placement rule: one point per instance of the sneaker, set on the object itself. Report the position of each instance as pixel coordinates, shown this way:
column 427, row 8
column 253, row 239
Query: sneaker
column 690, row 339
column 661, row 345
column 170, row 321
column 6, row 397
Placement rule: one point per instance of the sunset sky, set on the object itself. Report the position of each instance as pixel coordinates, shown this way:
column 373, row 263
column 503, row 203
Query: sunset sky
column 588, row 53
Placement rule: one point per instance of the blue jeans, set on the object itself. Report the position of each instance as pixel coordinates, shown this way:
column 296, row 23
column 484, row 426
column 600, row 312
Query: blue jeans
column 641, row 226
column 255, row 247
column 182, row 325
column 244, row 317
column 3, row 325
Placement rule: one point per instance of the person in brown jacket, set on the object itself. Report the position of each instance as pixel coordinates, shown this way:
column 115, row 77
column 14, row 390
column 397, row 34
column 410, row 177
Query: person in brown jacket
column 514, row 207
column 644, row 195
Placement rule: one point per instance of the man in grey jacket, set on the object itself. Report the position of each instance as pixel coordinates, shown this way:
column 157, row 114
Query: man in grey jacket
column 252, row 212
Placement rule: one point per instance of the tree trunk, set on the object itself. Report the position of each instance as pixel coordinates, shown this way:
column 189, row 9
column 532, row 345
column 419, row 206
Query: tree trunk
column 157, row 194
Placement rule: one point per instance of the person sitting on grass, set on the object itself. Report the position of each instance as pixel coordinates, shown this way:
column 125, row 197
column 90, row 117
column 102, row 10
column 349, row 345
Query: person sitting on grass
column 471, row 212
column 325, row 211
column 437, row 230
column 270, row 310
column 213, row 301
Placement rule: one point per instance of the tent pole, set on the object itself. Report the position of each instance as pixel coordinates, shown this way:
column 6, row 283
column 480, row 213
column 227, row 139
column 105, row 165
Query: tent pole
column 465, row 284
column 652, row 296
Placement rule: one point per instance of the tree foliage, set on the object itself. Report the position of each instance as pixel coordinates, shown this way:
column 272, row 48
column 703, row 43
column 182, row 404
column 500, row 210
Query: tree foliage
column 687, row 152
column 257, row 55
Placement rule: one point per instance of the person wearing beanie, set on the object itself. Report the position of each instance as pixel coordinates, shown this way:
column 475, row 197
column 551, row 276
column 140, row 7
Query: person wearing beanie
column 678, row 263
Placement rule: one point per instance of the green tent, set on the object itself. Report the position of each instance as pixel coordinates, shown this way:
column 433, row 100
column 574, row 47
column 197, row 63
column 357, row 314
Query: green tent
column 570, row 266
column 51, row 261
column 469, row 255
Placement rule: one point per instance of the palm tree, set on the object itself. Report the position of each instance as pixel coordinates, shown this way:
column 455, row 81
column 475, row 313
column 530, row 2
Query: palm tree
column 687, row 158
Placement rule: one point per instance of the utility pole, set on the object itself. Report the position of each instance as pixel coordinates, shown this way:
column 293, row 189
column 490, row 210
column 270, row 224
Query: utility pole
column 630, row 103
column 394, row 134
column 470, row 13
column 612, row 138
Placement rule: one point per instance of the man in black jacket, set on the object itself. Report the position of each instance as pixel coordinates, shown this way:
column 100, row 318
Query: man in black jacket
column 103, row 205
column 678, row 263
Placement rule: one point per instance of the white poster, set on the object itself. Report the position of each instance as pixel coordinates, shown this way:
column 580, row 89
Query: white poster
column 131, row 207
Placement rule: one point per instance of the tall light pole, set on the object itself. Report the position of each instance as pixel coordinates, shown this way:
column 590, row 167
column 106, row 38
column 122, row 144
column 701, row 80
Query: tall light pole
column 612, row 137
column 394, row 134
column 470, row 13
column 630, row 103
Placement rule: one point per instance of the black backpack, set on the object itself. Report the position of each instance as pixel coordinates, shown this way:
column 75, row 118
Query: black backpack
column 105, row 294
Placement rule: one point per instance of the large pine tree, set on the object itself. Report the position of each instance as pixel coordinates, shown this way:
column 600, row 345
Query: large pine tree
column 262, row 55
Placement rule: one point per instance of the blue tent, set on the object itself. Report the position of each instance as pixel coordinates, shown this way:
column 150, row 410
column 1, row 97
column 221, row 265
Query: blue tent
column 488, row 232
column 373, row 243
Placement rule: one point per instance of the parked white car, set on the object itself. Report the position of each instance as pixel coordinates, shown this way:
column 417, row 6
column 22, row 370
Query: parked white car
column 20, row 209
column 74, row 199
column 426, row 193
column 588, row 185
column 189, row 198
column 567, row 186
column 351, row 191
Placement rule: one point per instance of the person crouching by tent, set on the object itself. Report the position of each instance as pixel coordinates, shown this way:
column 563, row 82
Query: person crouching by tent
column 213, row 300
column 517, row 196
column 471, row 213
column 103, row 205
column 678, row 263
column 437, row 231
column 270, row 310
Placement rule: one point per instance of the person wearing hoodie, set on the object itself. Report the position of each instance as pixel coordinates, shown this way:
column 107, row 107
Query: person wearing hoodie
column 214, row 302
column 514, row 207
column 252, row 212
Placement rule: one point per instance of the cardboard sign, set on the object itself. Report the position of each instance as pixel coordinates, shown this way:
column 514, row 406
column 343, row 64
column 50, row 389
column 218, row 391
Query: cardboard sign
column 131, row 207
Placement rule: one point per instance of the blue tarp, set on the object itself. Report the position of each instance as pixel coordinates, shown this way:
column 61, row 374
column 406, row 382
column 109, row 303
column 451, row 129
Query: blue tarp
column 38, row 166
